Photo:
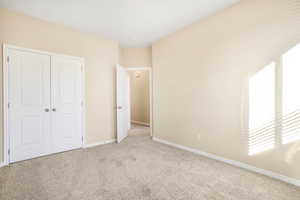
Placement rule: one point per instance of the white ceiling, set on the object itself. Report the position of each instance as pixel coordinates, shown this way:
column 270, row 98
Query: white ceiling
column 134, row 23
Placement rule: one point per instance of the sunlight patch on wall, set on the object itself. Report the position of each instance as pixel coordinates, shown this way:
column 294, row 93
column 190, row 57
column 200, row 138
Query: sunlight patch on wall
column 274, row 104
column 291, row 95
column 262, row 110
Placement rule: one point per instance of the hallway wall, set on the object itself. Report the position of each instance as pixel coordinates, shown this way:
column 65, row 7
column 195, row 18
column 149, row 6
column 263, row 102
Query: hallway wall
column 140, row 96
column 136, row 57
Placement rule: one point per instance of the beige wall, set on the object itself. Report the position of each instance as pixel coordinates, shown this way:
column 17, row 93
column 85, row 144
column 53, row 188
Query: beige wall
column 136, row 57
column 140, row 96
column 200, row 79
column 100, row 56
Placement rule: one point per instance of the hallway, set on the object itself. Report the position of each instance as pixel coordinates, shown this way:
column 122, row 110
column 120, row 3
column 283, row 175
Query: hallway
column 137, row 130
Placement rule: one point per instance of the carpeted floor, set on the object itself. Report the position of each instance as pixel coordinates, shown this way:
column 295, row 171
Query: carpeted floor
column 137, row 130
column 136, row 169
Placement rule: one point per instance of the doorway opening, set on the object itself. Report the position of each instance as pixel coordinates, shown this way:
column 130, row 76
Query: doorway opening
column 134, row 102
column 139, row 83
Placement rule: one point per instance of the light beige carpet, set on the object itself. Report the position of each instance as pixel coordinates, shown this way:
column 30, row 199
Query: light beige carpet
column 137, row 169
column 137, row 130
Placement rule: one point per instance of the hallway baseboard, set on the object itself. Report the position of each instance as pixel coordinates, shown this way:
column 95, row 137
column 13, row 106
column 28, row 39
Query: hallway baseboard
column 99, row 143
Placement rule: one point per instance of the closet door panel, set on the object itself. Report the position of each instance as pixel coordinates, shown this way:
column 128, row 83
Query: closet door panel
column 29, row 99
column 66, row 91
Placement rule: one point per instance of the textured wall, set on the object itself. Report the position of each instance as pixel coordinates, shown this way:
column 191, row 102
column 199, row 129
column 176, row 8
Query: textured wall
column 201, row 74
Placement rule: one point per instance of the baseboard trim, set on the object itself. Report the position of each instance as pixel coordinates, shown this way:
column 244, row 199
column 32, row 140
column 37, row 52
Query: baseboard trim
column 140, row 123
column 99, row 143
column 2, row 164
column 233, row 162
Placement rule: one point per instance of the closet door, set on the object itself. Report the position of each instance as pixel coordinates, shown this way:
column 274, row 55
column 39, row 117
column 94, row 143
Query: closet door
column 66, row 108
column 29, row 104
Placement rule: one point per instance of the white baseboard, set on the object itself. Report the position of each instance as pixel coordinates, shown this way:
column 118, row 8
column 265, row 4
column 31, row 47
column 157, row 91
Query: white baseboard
column 233, row 162
column 140, row 123
column 99, row 143
column 85, row 146
column 2, row 164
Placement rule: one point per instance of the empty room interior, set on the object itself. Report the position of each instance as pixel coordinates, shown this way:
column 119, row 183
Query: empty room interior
column 150, row 100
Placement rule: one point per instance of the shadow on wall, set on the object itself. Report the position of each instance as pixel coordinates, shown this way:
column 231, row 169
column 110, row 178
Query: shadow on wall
column 274, row 104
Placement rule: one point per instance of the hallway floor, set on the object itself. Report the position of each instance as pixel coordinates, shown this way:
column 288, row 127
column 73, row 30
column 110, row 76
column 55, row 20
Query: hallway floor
column 139, row 130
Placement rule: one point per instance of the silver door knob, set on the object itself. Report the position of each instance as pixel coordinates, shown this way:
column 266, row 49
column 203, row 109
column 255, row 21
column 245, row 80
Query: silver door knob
column 47, row 110
column 119, row 107
column 54, row 109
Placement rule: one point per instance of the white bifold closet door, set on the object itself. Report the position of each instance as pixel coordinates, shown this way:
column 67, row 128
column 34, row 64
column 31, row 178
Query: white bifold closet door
column 29, row 97
column 45, row 111
column 66, row 100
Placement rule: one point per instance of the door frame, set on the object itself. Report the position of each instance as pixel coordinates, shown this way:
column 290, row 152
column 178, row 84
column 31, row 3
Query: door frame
column 5, row 106
column 149, row 69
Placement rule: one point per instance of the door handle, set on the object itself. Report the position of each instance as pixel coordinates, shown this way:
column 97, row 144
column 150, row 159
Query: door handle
column 54, row 109
column 119, row 107
column 47, row 110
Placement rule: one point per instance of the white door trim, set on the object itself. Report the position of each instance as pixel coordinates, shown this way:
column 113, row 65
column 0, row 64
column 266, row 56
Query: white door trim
column 136, row 68
column 5, row 106
column 5, row 95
